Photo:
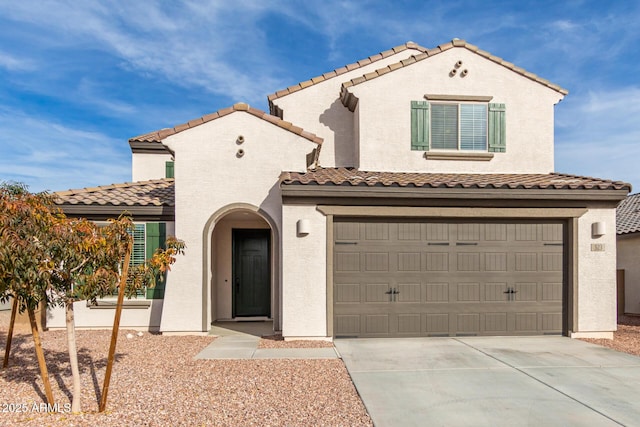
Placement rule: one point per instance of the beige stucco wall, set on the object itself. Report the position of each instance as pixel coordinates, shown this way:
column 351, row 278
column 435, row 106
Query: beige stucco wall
column 385, row 115
column 145, row 318
column 596, row 308
column 145, row 166
column 221, row 259
column 318, row 109
column 629, row 261
column 304, row 260
column 209, row 177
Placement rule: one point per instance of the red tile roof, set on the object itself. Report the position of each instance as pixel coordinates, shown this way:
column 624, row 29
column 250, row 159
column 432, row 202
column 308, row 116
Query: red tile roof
column 158, row 136
column 628, row 215
column 353, row 177
column 345, row 95
column 342, row 70
column 158, row 192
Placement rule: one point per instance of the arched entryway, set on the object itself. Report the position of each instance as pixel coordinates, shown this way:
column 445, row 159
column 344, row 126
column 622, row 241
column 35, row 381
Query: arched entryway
column 243, row 267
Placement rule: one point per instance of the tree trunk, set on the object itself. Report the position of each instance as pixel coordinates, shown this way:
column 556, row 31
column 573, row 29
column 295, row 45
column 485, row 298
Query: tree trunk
column 73, row 358
column 7, row 349
column 40, row 355
column 116, row 328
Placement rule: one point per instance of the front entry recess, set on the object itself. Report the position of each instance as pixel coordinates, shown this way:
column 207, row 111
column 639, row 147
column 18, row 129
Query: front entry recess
column 251, row 286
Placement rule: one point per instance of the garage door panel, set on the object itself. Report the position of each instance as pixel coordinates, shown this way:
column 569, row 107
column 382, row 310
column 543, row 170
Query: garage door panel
column 437, row 292
column 376, row 231
column 409, row 261
column 526, row 292
column 552, row 232
column 436, row 323
column 552, row 291
column 436, row 232
column 409, row 324
column 551, row 262
column 412, row 278
column 347, row 293
column 410, row 292
column 495, row 323
column 495, row 232
column 495, row 261
column 468, row 292
column 347, row 262
column 349, row 231
column 377, row 324
column 468, row 261
column 494, row 292
column 376, row 292
column 467, row 323
column 437, row 261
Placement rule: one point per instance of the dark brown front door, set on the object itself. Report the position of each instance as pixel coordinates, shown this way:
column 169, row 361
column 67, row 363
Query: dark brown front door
column 251, row 273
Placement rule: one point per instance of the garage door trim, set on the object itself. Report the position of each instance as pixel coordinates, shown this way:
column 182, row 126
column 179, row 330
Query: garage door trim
column 569, row 215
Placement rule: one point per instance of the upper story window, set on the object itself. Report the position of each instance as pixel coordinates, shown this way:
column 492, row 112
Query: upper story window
column 459, row 127
column 453, row 126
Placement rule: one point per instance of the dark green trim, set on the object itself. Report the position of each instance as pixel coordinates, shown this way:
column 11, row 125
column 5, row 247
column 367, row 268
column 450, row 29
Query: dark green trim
column 497, row 129
column 420, row 125
column 156, row 238
column 169, row 169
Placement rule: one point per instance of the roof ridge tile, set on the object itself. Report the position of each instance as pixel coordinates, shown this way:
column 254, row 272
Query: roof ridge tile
column 439, row 49
column 161, row 134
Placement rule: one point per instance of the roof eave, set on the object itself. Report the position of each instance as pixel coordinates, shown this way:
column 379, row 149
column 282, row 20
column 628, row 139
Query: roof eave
column 96, row 212
column 395, row 192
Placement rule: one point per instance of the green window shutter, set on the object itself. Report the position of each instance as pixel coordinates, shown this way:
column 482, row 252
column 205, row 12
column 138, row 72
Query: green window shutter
column 419, row 125
column 497, row 128
column 168, row 169
column 156, row 238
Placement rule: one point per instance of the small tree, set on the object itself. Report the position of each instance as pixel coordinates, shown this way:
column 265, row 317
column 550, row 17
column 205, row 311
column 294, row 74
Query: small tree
column 87, row 263
column 25, row 222
column 48, row 258
column 84, row 266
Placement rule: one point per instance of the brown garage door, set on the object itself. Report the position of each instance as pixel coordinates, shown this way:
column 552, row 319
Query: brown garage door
column 428, row 278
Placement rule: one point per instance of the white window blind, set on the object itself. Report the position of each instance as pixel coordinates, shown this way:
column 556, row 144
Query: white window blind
column 473, row 127
column 444, row 126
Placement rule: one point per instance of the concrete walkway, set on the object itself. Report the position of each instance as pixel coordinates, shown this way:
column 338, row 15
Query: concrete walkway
column 487, row 381
column 240, row 341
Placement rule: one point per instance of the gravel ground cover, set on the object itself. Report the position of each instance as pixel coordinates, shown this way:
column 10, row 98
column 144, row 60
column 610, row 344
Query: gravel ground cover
column 156, row 382
column 626, row 338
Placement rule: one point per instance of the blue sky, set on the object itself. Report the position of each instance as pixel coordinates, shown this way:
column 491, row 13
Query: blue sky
column 78, row 79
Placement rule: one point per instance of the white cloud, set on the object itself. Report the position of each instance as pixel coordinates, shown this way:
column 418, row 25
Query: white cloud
column 12, row 63
column 598, row 134
column 48, row 155
column 217, row 46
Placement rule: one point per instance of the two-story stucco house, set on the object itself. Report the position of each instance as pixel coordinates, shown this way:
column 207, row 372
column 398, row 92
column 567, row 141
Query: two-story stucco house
column 411, row 193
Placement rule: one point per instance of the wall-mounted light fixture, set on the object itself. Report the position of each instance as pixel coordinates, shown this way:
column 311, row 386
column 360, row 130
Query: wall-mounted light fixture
column 303, row 227
column 598, row 229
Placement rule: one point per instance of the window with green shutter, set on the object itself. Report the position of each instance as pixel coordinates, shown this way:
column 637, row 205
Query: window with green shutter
column 450, row 126
column 146, row 239
column 419, row 125
column 169, row 169
column 497, row 128
column 156, row 237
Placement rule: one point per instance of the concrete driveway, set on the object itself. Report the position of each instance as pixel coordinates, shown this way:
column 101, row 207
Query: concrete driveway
column 493, row 381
